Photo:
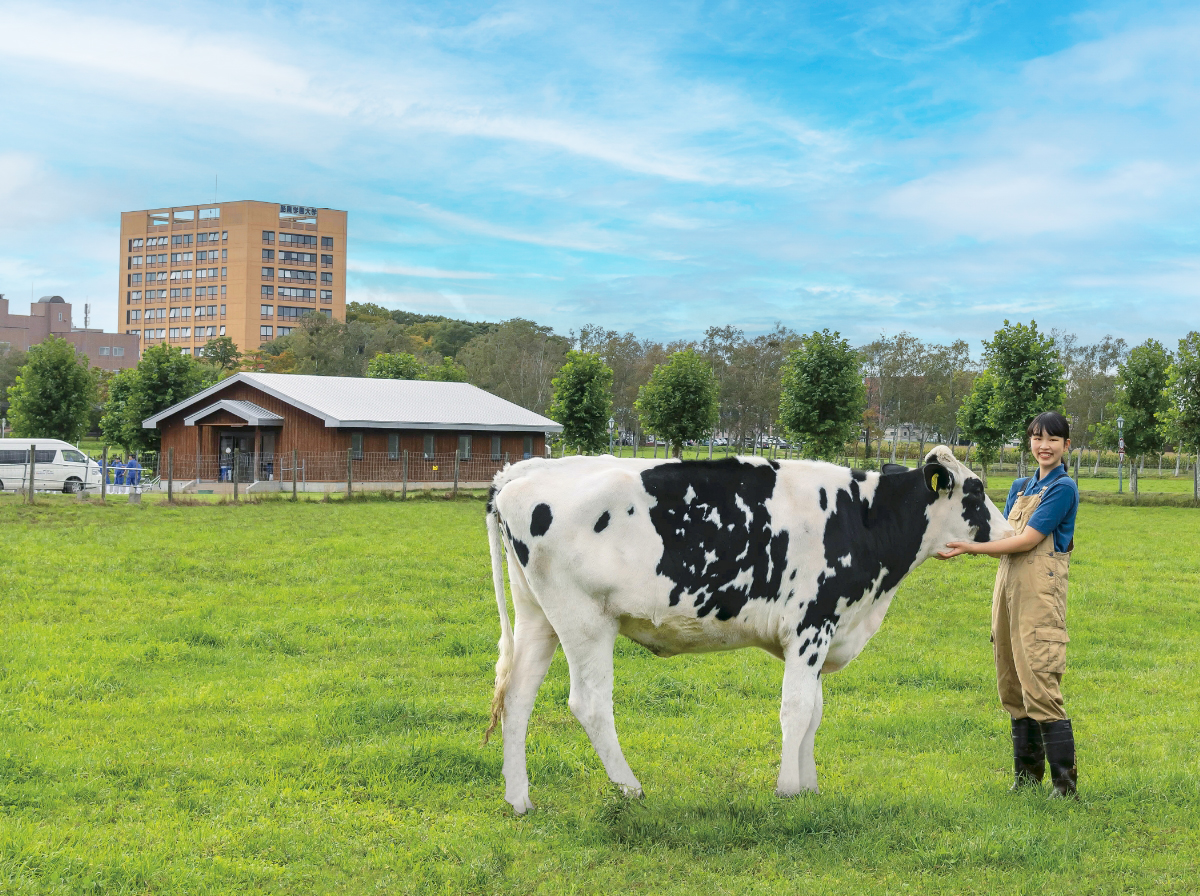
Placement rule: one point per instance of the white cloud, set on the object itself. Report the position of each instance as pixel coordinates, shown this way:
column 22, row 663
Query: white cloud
column 369, row 267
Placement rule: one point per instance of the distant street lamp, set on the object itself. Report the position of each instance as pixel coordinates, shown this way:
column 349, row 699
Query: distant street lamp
column 611, row 424
column 1120, row 452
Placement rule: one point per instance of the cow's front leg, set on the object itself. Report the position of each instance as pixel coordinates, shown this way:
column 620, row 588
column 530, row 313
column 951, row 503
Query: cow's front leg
column 589, row 651
column 535, row 643
column 799, row 716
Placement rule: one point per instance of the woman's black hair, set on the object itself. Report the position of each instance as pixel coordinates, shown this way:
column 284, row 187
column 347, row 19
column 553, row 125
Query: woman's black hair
column 1050, row 423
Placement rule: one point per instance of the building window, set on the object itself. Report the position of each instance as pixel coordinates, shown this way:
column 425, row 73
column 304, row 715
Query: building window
column 222, row 330
column 297, row 239
column 269, row 273
column 297, row 292
column 393, row 446
column 104, row 351
column 267, row 291
column 356, row 445
column 284, row 331
column 327, row 296
column 224, row 235
column 266, row 311
column 327, row 260
column 326, row 242
column 528, row 447
column 182, row 240
column 495, row 447
column 327, row 277
column 269, row 236
column 268, row 254
column 290, row 274
column 174, row 311
column 224, row 255
column 265, row 333
column 328, row 312
column 135, row 244
column 222, row 293
column 118, row 351
column 186, row 332
column 464, row 447
column 428, row 447
column 222, row 307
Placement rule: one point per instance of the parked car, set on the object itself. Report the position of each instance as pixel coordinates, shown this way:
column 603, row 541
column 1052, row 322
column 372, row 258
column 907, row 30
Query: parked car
column 59, row 466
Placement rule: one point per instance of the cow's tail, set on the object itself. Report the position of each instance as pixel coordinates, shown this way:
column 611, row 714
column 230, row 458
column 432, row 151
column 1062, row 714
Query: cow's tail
column 504, row 662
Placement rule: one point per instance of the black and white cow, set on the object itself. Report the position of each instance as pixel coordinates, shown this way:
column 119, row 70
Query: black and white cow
column 796, row 557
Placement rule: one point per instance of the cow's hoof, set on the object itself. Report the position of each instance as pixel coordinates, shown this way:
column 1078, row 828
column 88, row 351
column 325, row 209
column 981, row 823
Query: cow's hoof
column 800, row 791
column 522, row 805
column 632, row 791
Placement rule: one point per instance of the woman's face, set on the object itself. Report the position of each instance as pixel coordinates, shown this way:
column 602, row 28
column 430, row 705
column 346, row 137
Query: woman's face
column 1048, row 449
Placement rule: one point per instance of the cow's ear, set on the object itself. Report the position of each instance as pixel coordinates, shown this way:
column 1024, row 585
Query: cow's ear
column 937, row 477
column 891, row 469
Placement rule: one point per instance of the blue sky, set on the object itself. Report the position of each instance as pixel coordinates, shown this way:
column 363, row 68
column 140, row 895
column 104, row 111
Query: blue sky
column 934, row 167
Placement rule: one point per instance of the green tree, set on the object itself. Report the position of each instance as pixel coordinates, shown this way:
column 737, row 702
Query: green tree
column 517, row 361
column 447, row 372
column 11, row 362
column 977, row 421
column 680, row 401
column 116, row 426
column 222, row 352
column 1141, row 399
column 1030, row 378
column 162, row 378
column 822, row 396
column 395, row 366
column 583, row 401
column 52, row 396
column 1183, row 394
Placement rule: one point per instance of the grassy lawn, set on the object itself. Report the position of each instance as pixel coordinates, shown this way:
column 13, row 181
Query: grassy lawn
column 289, row 699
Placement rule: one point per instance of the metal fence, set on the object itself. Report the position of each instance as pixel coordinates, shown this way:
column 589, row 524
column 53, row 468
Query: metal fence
column 320, row 471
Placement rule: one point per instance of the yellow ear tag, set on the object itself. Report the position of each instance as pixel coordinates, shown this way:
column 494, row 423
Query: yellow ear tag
column 937, row 483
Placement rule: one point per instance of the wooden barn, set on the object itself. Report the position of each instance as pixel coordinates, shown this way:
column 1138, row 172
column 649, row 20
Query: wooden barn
column 387, row 431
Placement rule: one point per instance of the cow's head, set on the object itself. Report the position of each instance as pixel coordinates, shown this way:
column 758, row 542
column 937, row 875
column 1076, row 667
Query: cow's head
column 962, row 511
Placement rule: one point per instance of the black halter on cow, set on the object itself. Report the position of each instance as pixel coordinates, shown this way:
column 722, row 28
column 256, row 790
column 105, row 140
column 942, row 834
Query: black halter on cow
column 799, row 558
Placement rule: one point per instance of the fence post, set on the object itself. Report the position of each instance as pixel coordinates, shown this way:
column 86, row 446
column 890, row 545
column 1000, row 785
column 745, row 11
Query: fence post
column 235, row 474
column 32, row 473
column 170, row 475
column 295, row 472
column 454, row 492
column 404, row 478
column 349, row 472
column 104, row 475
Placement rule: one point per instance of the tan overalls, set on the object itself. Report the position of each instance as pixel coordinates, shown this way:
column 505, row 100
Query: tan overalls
column 1029, row 622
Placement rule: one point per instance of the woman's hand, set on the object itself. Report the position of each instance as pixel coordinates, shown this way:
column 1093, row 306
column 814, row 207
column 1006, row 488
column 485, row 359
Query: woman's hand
column 956, row 548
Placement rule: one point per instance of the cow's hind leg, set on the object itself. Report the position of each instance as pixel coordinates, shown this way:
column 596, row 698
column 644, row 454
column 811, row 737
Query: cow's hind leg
column 799, row 716
column 589, row 651
column 534, row 643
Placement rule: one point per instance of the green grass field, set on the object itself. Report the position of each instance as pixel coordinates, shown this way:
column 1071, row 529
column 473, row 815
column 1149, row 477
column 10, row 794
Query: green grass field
column 287, row 698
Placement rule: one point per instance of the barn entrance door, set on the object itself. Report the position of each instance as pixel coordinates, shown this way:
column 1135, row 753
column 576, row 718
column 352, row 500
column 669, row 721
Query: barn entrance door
column 244, row 443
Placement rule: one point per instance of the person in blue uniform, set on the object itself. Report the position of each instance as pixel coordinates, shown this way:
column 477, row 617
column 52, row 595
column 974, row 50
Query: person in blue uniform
column 1029, row 609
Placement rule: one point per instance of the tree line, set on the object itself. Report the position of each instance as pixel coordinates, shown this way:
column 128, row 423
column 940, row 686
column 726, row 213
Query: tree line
column 746, row 388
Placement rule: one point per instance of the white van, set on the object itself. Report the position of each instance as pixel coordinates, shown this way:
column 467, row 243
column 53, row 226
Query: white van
column 59, row 467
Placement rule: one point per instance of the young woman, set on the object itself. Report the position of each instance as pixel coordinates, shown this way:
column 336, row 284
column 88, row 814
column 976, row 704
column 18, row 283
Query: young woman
column 1029, row 608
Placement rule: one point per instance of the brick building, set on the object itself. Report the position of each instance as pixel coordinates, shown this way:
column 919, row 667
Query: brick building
column 247, row 270
column 51, row 316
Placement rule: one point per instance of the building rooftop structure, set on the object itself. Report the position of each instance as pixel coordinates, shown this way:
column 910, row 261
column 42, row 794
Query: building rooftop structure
column 365, row 403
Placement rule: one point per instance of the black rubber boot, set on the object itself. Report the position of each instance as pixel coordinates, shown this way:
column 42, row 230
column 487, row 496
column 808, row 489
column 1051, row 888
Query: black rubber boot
column 1059, row 743
column 1029, row 757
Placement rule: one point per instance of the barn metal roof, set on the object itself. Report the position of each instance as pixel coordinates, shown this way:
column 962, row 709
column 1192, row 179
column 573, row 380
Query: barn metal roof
column 361, row 402
column 247, row 410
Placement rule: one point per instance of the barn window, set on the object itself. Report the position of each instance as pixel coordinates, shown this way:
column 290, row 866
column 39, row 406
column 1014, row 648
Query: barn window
column 393, row 446
column 428, row 447
column 528, row 447
column 464, row 446
column 356, row 445
column 495, row 447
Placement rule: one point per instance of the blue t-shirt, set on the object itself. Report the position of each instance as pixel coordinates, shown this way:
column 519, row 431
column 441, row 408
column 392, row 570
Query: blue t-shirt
column 1056, row 512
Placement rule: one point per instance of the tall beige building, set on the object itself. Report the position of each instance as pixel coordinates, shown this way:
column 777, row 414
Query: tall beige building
column 248, row 270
